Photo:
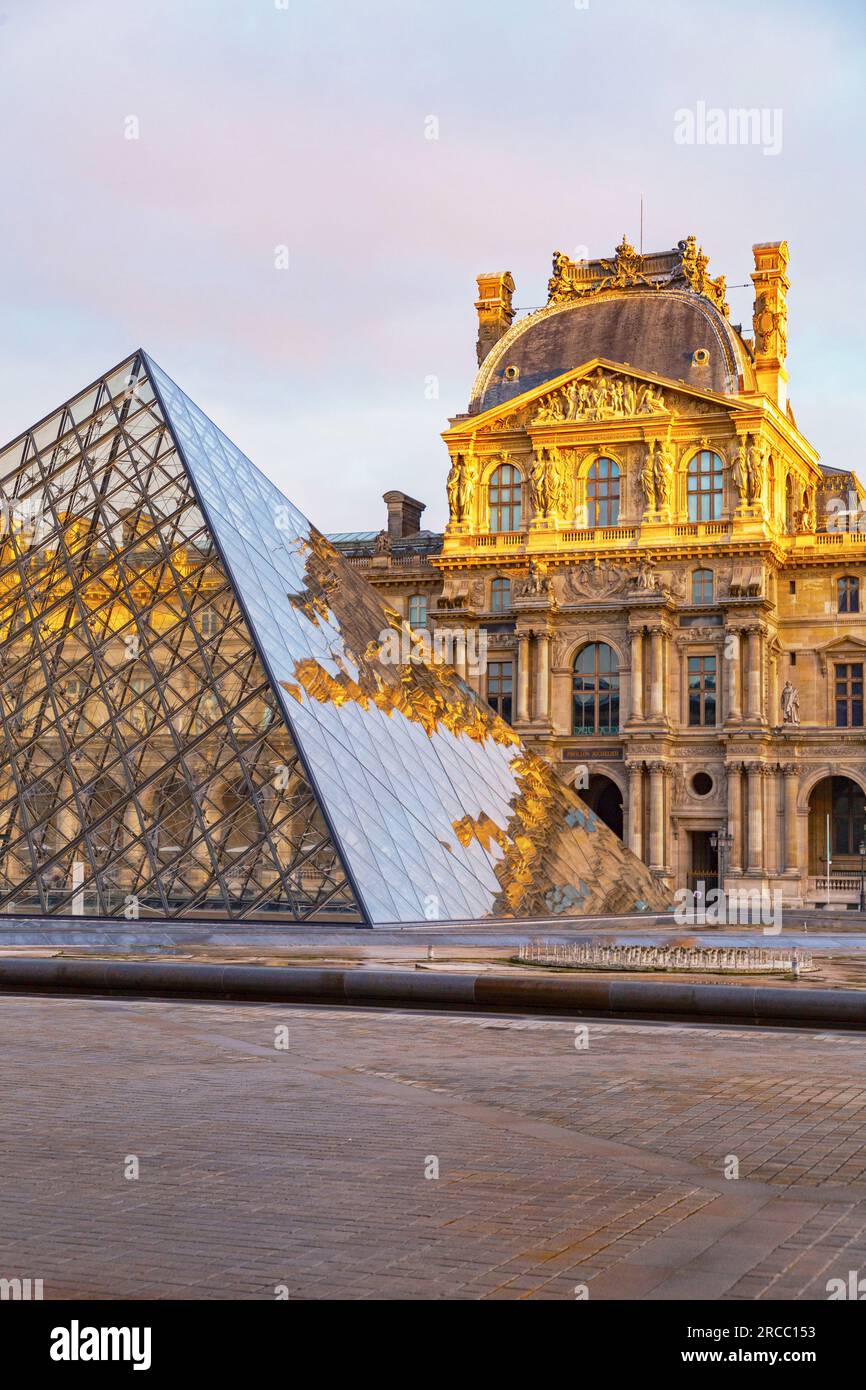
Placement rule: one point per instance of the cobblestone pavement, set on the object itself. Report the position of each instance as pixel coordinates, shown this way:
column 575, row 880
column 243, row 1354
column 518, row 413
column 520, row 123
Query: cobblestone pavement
column 304, row 1167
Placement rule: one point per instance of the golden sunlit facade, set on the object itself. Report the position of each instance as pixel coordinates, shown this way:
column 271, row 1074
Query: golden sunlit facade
column 670, row 582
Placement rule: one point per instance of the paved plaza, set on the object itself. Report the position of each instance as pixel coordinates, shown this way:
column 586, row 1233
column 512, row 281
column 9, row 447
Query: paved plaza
column 267, row 1170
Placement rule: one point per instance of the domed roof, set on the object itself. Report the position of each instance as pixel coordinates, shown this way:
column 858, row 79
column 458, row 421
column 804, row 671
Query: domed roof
column 654, row 330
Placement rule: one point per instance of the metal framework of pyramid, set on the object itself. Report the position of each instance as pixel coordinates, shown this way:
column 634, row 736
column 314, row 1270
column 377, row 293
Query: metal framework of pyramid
column 200, row 719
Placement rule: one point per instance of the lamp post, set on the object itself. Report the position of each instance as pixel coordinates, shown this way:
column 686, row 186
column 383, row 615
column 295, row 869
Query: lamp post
column 722, row 840
column 862, row 852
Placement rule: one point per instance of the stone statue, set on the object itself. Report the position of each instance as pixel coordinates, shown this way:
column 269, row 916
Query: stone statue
column 453, row 486
column 466, row 487
column 754, row 474
column 559, row 485
column 383, row 543
column 645, row 577
column 790, row 702
column 663, row 471
column 739, row 470
column 537, row 581
column 647, row 477
column 538, row 484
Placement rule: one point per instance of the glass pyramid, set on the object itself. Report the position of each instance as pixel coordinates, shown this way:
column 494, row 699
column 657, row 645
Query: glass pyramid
column 200, row 717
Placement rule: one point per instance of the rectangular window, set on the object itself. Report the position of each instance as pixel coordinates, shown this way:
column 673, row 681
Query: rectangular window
column 418, row 610
column 702, row 690
column 500, row 595
column 702, row 586
column 499, row 688
column 848, row 686
column 849, row 594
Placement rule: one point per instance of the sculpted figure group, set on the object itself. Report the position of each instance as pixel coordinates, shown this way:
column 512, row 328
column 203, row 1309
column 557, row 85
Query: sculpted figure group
column 657, row 474
column 550, row 483
column 748, row 471
column 460, row 485
column 602, row 397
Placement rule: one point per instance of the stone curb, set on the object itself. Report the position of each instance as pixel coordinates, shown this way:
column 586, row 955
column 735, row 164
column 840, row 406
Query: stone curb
column 720, row 1003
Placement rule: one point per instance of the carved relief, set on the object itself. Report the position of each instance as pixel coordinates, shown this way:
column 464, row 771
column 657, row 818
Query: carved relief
column 657, row 474
column 460, row 485
column 551, row 483
column 605, row 396
column 770, row 322
column 536, row 583
column 592, row 579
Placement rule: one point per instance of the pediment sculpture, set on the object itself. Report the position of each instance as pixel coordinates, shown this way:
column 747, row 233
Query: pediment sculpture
column 605, row 396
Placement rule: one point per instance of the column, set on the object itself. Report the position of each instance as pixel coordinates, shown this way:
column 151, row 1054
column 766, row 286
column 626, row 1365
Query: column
column 773, row 714
column 523, row 676
column 635, row 809
column 735, row 818
column 636, row 710
column 657, row 816
column 792, row 780
column 733, row 644
column 756, row 825
column 542, row 695
column 754, row 677
column 657, row 654
column 772, row 846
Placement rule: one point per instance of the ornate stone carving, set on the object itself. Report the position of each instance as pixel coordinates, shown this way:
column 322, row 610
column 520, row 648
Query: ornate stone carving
column 739, row 469
column 684, row 267
column 462, row 479
column 657, row 474
column 692, row 271
column 551, row 483
column 605, row 396
column 591, row 580
column 645, row 578
column 535, row 584
column 770, row 322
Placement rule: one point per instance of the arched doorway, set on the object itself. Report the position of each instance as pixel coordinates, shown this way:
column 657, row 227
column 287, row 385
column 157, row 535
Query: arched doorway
column 837, row 820
column 605, row 798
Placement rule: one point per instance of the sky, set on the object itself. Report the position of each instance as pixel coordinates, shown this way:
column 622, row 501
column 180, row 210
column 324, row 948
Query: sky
column 248, row 189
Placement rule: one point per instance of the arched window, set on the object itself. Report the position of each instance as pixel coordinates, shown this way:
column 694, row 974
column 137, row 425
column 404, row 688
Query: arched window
column 500, row 595
column 789, row 503
column 702, row 586
column 704, row 486
column 418, row 610
column 602, row 493
column 848, row 594
column 596, row 690
column 506, row 493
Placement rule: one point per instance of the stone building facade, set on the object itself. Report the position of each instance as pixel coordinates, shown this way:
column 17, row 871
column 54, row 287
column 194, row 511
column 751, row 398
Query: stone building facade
column 670, row 583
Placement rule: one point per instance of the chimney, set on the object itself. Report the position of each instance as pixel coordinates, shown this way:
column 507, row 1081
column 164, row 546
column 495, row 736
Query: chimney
column 770, row 319
column 494, row 310
column 404, row 515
